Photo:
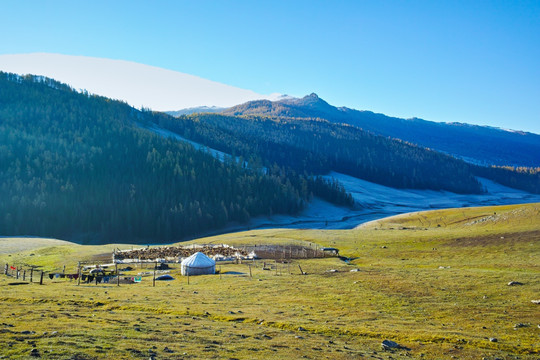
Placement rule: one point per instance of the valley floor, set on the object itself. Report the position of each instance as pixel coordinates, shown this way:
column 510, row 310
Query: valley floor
column 434, row 282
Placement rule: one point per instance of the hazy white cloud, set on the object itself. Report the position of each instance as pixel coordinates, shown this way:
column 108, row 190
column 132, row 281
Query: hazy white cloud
column 137, row 84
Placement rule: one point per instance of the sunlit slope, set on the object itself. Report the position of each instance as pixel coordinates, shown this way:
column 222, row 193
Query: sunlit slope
column 11, row 245
column 491, row 218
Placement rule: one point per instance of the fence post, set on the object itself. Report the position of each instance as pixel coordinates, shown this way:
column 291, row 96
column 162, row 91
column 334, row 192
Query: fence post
column 117, row 275
column 17, row 272
column 41, row 278
column 79, row 273
column 31, row 274
column 154, row 280
column 6, row 269
column 24, row 275
column 250, row 271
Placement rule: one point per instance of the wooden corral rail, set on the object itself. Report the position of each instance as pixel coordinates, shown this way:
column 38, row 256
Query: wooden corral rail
column 25, row 274
column 282, row 252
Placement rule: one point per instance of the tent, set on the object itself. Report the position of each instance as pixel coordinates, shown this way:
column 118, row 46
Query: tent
column 198, row 264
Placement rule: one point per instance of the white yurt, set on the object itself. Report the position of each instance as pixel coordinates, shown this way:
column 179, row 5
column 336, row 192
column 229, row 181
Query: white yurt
column 198, row 264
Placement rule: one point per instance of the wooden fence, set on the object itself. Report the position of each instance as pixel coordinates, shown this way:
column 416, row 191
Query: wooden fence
column 23, row 274
column 284, row 252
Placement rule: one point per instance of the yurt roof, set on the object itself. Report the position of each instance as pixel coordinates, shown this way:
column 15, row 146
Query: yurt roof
column 198, row 260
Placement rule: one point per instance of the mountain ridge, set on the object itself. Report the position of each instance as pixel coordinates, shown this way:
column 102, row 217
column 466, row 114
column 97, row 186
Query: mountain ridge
column 478, row 144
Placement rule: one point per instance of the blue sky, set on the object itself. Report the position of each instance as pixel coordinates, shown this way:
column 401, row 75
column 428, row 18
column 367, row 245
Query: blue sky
column 466, row 61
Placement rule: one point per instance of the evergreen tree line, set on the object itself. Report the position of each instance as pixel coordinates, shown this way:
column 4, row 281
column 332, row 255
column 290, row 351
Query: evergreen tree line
column 76, row 166
column 314, row 146
column 523, row 178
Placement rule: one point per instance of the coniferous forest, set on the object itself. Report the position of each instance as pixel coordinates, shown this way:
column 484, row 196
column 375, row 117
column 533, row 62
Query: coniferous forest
column 78, row 167
column 317, row 146
column 89, row 169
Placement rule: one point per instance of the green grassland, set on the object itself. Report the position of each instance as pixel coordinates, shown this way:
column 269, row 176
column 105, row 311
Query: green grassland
column 434, row 282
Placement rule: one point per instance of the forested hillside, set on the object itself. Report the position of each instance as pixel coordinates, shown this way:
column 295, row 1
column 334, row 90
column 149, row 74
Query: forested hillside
column 83, row 167
column 523, row 178
column 480, row 145
column 318, row 147
column 76, row 166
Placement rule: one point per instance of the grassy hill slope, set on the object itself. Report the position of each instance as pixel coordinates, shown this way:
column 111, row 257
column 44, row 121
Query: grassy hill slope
column 440, row 291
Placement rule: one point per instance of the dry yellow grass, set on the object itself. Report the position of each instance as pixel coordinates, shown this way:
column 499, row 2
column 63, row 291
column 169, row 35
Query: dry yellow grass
column 440, row 292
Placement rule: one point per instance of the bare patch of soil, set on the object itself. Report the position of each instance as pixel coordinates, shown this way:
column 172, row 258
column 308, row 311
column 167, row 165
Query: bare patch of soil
column 496, row 239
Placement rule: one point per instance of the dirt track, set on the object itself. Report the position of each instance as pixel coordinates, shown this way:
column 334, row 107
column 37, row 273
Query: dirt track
column 498, row 239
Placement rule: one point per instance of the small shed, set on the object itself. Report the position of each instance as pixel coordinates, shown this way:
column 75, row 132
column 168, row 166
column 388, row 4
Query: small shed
column 198, row 264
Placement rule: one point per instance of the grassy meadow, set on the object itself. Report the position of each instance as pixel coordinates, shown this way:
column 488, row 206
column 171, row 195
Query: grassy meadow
column 434, row 282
